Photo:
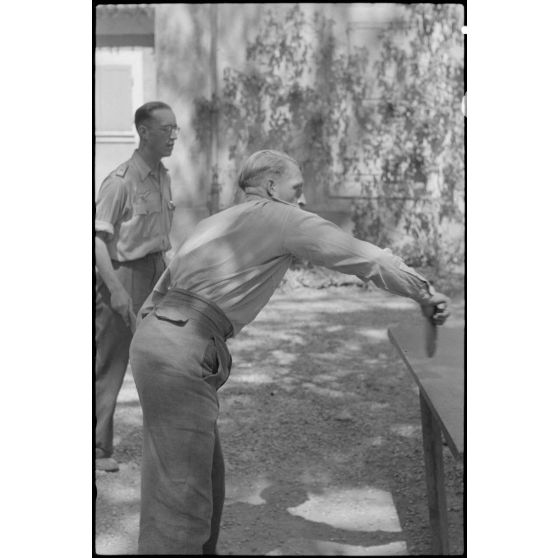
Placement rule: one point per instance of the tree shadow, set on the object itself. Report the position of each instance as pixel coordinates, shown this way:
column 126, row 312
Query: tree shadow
column 283, row 505
column 337, row 395
column 317, row 400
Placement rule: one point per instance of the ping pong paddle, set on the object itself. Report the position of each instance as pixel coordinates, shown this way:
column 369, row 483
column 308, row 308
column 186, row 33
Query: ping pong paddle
column 431, row 331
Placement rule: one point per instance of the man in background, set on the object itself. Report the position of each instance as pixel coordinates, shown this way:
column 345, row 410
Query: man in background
column 133, row 216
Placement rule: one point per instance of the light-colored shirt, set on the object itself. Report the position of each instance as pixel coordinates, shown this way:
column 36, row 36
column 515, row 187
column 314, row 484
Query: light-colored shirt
column 134, row 206
column 237, row 258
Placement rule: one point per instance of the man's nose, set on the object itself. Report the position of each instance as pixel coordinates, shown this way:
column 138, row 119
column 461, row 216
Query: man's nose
column 301, row 201
column 174, row 133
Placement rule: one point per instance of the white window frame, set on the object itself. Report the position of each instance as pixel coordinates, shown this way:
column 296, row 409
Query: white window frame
column 110, row 56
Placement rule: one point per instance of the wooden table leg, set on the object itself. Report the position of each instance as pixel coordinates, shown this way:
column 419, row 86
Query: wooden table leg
column 432, row 444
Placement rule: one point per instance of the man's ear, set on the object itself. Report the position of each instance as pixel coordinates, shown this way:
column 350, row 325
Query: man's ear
column 142, row 131
column 270, row 188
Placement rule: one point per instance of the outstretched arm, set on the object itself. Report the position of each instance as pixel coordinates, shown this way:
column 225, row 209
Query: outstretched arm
column 313, row 238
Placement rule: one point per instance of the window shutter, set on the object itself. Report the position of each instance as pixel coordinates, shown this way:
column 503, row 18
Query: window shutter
column 113, row 99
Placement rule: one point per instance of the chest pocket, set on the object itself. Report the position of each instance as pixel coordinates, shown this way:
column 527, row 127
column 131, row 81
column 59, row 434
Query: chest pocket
column 147, row 202
column 147, row 213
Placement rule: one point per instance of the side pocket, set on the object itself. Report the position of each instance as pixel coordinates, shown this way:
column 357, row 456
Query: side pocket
column 210, row 361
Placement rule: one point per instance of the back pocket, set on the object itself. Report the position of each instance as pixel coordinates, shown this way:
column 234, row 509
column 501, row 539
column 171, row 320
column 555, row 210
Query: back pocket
column 171, row 314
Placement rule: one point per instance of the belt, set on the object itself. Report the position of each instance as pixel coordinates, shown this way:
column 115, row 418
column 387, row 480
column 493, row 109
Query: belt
column 183, row 302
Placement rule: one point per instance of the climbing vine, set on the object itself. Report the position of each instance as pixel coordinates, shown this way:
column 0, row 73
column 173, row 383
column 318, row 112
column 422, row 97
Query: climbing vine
column 301, row 93
column 297, row 94
column 417, row 139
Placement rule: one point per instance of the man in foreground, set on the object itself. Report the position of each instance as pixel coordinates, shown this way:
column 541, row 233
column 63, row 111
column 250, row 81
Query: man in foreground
column 216, row 284
column 133, row 215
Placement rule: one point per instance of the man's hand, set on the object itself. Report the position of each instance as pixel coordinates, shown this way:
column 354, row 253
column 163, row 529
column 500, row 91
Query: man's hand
column 436, row 309
column 121, row 303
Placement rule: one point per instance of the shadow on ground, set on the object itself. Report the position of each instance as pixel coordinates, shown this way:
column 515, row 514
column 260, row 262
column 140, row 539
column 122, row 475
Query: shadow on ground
column 320, row 426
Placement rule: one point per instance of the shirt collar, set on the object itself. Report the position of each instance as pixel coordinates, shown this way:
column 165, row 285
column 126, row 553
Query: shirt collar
column 143, row 167
column 254, row 193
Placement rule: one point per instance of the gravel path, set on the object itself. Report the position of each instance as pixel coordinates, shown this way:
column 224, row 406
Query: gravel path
column 320, row 427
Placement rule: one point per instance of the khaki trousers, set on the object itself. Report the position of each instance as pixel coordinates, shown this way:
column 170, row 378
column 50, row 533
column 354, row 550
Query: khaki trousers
column 179, row 360
column 113, row 337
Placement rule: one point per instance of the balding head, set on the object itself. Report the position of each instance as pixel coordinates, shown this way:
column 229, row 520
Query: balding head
column 272, row 174
column 264, row 165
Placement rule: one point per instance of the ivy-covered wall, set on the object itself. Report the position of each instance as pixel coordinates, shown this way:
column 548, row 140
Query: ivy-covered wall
column 338, row 86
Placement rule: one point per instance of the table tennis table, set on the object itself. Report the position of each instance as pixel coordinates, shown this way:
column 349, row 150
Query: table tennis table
column 441, row 383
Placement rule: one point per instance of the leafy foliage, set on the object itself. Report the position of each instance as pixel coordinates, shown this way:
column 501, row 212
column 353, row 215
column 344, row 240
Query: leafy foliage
column 417, row 145
column 301, row 94
column 295, row 95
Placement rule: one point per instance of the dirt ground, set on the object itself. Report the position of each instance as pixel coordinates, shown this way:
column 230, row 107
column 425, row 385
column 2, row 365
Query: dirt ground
column 320, row 427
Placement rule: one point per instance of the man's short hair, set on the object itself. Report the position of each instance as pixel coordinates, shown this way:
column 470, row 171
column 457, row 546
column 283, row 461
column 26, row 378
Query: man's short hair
column 143, row 114
column 262, row 164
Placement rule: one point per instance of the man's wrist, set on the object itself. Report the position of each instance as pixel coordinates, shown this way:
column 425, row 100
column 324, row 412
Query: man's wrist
column 115, row 287
column 426, row 295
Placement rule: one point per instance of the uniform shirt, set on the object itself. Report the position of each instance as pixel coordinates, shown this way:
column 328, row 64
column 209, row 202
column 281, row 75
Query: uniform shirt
column 237, row 258
column 134, row 206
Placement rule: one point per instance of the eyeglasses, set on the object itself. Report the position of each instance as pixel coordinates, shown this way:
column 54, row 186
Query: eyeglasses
column 168, row 130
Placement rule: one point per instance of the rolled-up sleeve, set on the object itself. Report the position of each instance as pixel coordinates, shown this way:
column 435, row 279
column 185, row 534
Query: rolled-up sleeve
column 308, row 236
column 110, row 204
